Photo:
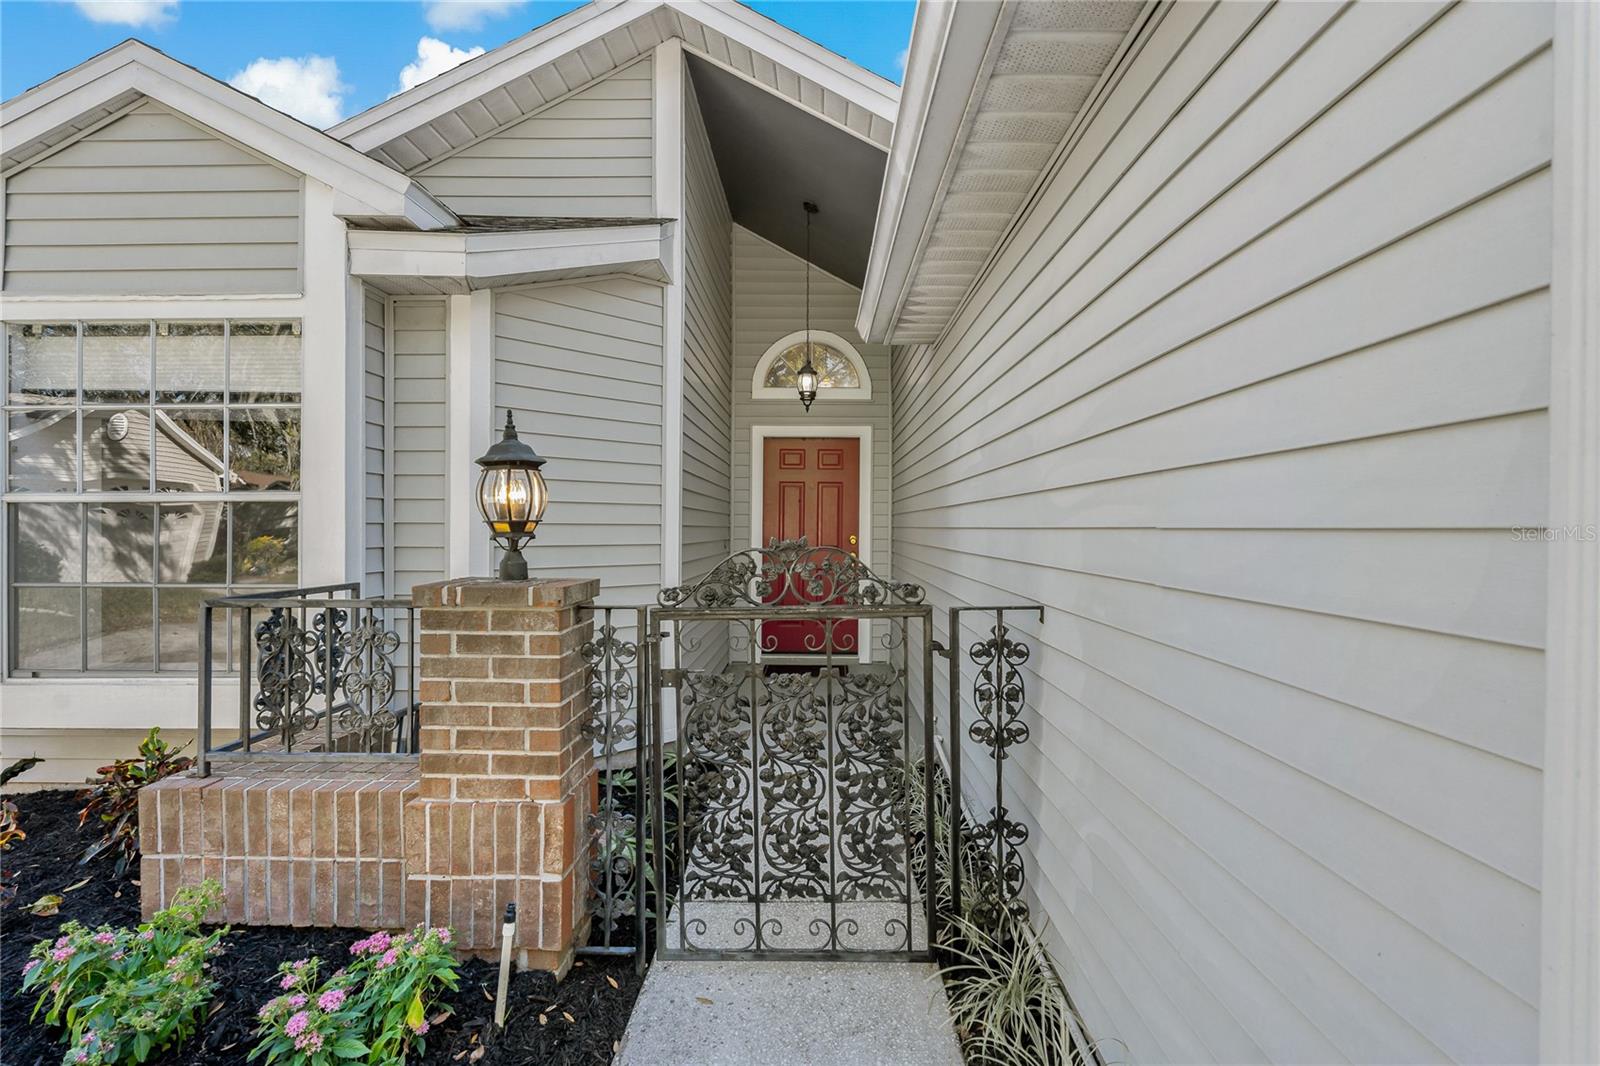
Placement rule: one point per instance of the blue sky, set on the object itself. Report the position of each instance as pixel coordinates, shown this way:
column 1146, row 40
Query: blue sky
column 324, row 60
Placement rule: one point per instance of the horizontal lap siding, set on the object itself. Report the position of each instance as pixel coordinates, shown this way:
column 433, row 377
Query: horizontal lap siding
column 152, row 204
column 418, row 471
column 589, row 154
column 707, row 366
column 1253, row 403
column 580, row 366
column 375, row 387
column 769, row 302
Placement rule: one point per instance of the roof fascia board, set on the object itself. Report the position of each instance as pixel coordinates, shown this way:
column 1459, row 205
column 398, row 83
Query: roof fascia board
column 954, row 47
column 47, row 92
column 444, row 93
column 795, row 51
column 365, row 186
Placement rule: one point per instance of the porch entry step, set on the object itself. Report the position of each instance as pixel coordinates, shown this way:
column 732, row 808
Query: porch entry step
column 790, row 1014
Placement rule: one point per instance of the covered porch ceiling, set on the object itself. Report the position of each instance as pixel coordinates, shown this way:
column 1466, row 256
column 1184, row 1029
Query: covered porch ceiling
column 773, row 156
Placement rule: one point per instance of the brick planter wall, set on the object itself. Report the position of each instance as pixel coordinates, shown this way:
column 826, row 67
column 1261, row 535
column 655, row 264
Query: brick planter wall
column 292, row 843
column 496, row 808
column 508, row 776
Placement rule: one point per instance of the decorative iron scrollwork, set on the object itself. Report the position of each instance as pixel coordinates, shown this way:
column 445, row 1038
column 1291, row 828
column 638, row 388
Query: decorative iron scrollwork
column 998, row 691
column 715, row 778
column 794, row 794
column 870, row 771
column 366, row 678
column 999, row 695
column 791, row 573
column 293, row 668
column 793, row 775
column 612, row 724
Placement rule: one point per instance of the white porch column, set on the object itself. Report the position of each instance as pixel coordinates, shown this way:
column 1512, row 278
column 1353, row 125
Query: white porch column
column 330, row 427
column 669, row 204
column 469, row 427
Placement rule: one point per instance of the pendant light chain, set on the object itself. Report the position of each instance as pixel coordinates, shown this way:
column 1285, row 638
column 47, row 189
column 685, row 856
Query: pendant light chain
column 806, row 377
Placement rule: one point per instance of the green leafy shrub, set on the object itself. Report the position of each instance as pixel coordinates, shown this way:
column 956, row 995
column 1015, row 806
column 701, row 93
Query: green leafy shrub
column 124, row 994
column 376, row 1008
column 114, row 799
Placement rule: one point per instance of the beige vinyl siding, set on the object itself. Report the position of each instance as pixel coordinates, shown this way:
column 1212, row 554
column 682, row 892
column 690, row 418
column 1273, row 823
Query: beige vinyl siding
column 418, row 465
column 707, row 364
column 587, row 155
column 768, row 303
column 580, row 366
column 72, row 756
column 1252, row 403
column 375, row 374
column 152, row 204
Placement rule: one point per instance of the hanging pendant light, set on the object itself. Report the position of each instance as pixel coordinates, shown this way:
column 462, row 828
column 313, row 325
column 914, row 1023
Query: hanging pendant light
column 805, row 378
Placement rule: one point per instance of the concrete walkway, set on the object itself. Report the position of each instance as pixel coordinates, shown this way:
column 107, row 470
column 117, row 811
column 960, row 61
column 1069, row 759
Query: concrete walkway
column 790, row 1014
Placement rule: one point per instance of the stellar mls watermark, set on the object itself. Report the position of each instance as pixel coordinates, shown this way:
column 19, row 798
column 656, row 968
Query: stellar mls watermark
column 1585, row 533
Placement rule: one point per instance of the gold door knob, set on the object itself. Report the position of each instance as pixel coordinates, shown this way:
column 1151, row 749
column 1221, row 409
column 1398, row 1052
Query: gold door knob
column 852, row 540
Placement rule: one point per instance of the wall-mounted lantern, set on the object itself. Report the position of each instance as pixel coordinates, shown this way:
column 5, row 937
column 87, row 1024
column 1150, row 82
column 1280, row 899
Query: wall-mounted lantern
column 512, row 496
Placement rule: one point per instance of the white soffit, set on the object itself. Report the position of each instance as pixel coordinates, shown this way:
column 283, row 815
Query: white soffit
column 992, row 89
column 501, row 87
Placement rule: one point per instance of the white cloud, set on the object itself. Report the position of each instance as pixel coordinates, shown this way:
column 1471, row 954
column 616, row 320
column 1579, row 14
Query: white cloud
column 434, row 57
column 128, row 12
column 900, row 60
column 466, row 14
column 307, row 88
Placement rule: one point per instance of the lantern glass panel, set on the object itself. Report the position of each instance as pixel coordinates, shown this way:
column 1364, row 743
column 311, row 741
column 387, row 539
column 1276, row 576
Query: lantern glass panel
column 512, row 499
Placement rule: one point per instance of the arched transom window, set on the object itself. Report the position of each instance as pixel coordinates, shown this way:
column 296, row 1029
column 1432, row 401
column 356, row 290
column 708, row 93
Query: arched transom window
column 840, row 369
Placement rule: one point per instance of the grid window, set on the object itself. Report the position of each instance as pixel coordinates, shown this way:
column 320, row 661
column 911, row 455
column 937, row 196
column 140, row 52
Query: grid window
column 149, row 466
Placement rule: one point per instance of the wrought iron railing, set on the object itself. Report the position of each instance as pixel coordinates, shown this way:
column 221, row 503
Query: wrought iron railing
column 322, row 673
column 618, row 678
column 998, row 697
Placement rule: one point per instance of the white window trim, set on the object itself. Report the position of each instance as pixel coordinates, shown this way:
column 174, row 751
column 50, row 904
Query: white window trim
column 759, row 435
column 759, row 391
column 142, row 700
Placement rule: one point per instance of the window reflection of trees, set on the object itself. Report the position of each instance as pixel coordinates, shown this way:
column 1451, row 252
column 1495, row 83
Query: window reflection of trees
column 158, row 412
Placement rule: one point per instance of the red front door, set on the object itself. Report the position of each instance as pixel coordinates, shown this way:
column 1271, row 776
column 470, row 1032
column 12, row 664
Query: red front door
column 811, row 487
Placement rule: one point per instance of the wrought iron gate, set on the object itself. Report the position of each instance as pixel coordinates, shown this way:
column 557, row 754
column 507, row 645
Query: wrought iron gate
column 793, row 829
column 758, row 805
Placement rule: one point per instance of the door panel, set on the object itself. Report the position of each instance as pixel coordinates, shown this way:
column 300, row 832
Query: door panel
column 811, row 488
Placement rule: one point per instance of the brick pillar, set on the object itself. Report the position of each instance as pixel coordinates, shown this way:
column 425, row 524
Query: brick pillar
column 508, row 777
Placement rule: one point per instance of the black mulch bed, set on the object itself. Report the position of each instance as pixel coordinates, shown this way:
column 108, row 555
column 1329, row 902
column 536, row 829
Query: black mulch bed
column 48, row 862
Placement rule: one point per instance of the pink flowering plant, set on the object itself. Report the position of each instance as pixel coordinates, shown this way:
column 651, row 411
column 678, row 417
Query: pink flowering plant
column 374, row 1008
column 122, row 995
column 310, row 1022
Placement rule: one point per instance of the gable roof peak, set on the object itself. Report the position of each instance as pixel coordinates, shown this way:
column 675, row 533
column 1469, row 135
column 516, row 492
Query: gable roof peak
column 66, row 106
column 522, row 76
